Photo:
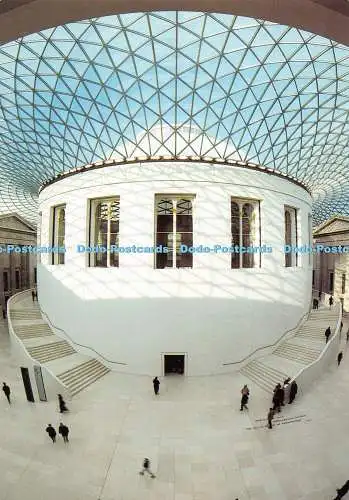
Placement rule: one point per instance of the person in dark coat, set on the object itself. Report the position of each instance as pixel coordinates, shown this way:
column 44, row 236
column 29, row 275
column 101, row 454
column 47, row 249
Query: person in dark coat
column 315, row 304
column 51, row 431
column 278, row 397
column 293, row 391
column 327, row 333
column 270, row 418
column 62, row 405
column 342, row 491
column 330, row 301
column 3, row 314
column 146, row 468
column 339, row 358
column 7, row 392
column 64, row 431
column 33, row 295
column 244, row 398
column 156, row 385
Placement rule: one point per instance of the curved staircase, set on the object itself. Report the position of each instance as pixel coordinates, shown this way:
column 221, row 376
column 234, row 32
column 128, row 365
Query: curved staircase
column 294, row 353
column 75, row 371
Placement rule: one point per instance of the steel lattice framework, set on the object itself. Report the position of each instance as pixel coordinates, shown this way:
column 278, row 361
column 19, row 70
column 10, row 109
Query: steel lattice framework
column 239, row 87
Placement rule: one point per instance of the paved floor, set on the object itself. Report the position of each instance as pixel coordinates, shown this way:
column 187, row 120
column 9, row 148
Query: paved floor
column 201, row 446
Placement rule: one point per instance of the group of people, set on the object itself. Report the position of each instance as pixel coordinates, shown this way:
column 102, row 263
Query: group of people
column 62, row 429
column 281, row 395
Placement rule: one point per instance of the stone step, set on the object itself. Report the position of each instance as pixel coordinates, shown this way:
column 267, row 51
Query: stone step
column 264, row 376
column 83, row 375
column 25, row 314
column 48, row 352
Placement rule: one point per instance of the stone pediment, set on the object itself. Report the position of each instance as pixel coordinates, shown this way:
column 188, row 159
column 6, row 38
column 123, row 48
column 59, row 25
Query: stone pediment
column 335, row 225
column 14, row 222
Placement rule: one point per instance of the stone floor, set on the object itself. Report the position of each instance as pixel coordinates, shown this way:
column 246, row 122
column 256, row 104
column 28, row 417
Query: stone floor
column 200, row 445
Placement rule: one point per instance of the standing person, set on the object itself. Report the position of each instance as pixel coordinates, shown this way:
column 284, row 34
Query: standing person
column 146, row 468
column 62, row 405
column 33, row 295
column 64, row 431
column 3, row 314
column 341, row 326
column 270, row 417
column 7, row 392
column 339, row 358
column 342, row 491
column 277, row 398
column 327, row 333
column 156, row 385
column 51, row 431
column 244, row 399
column 330, row 301
column 293, row 391
column 287, row 387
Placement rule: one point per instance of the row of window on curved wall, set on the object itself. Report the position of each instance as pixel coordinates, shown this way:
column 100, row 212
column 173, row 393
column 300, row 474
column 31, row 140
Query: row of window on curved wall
column 173, row 228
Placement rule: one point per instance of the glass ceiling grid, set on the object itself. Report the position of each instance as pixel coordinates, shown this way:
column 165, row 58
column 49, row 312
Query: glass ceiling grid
column 172, row 84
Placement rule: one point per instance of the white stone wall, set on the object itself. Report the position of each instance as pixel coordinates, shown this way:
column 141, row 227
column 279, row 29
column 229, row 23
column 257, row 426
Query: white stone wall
column 213, row 313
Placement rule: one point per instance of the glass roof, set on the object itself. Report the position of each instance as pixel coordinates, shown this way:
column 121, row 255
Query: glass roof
column 219, row 85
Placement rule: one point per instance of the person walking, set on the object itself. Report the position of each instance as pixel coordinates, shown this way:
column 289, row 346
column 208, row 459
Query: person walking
column 293, row 391
column 51, row 431
column 339, row 358
column 64, row 431
column 315, row 304
column 327, row 333
column 156, row 385
column 244, row 399
column 270, row 417
column 62, row 406
column 278, row 398
column 33, row 295
column 146, row 468
column 7, row 392
column 342, row 491
column 330, row 301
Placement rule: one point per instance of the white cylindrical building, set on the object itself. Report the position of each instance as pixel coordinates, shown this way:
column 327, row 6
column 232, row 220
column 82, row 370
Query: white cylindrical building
column 158, row 311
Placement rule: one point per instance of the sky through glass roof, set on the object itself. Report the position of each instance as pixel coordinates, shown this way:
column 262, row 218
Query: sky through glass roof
column 219, row 85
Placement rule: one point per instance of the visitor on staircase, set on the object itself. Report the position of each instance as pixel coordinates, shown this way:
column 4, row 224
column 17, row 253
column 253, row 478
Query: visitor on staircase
column 278, row 397
column 287, row 388
column 327, row 333
column 330, row 301
column 339, row 358
column 293, row 391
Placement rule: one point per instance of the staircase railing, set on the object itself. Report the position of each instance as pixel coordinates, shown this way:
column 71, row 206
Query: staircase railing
column 312, row 372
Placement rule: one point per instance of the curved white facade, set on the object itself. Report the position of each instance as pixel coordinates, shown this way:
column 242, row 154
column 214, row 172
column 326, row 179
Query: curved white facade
column 213, row 314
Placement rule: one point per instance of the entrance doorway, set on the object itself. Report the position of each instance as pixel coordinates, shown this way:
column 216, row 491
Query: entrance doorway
column 174, row 364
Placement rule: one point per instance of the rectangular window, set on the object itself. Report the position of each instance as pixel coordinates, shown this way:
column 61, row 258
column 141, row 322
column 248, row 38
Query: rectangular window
column 58, row 233
column 104, row 232
column 313, row 282
column 35, row 275
column 245, row 232
column 173, row 228
column 310, row 242
column 330, row 282
column 291, row 236
column 5, row 281
column 17, row 278
column 343, row 283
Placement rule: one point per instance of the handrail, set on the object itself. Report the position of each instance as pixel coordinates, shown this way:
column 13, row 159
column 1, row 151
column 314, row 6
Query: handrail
column 19, row 341
column 275, row 343
column 327, row 347
column 76, row 343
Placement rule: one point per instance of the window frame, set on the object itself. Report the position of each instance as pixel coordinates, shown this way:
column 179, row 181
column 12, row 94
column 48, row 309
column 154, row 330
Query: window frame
column 93, row 203
column 57, row 258
column 291, row 258
column 174, row 198
column 256, row 231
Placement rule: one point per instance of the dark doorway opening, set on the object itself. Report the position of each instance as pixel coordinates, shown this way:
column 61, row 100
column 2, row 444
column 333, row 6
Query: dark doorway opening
column 174, row 363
